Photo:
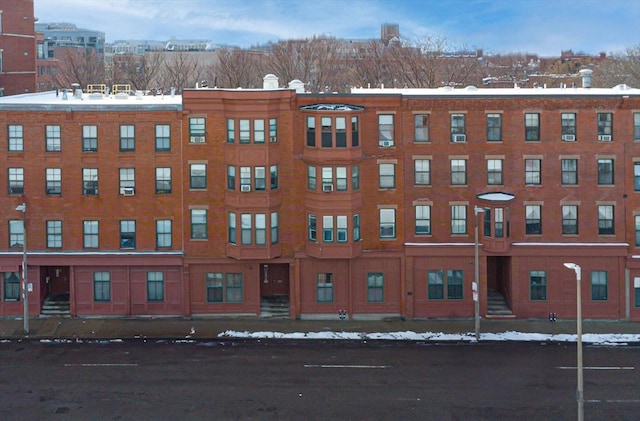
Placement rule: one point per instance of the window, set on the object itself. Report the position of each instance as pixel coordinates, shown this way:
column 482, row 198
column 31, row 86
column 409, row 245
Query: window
column 15, row 137
column 231, row 177
column 532, row 127
column 327, row 229
column 311, row 131
column 637, row 225
column 494, row 127
column 53, row 139
column 568, row 126
column 311, row 178
column 356, row 227
column 231, row 131
column 229, row 291
column 569, row 171
column 387, row 223
column 246, row 225
column 90, row 234
column 89, row 138
column 127, row 181
column 422, row 171
column 163, row 137
column 101, row 286
column 324, row 288
column 127, row 138
column 355, row 139
column 163, row 233
column 155, row 286
column 458, row 219
column 636, row 126
column 326, row 132
column 197, row 130
column 273, row 130
column 244, row 131
column 605, row 126
column 533, row 219
column 538, row 285
column 533, row 172
column 260, row 179
column 385, row 130
column 355, row 177
column 458, row 129
column 54, row 181
column 245, row 178
column 54, row 234
column 605, row 220
column 16, row 233
column 569, row 219
column 312, row 227
column 275, row 231
column 599, row 286
column 234, row 287
column 498, row 221
column 421, row 127
column 258, row 131
column 605, row 172
column 163, row 180
column 232, row 228
column 198, row 176
column 454, row 285
column 423, row 219
column 261, row 229
column 341, row 132
column 636, row 291
column 215, row 287
column 486, row 220
column 375, row 287
column 273, row 170
column 199, row 224
column 435, row 284
column 341, row 178
column 341, row 222
column 494, row 172
column 458, row 172
column 11, row 286
column 90, row 181
column 16, row 180
column 387, row 176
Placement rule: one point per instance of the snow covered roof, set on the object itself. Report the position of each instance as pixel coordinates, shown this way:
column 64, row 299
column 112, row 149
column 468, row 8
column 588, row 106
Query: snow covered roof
column 619, row 90
column 496, row 197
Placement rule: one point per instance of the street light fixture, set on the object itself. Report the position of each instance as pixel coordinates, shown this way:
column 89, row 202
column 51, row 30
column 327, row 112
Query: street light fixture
column 25, row 291
column 580, row 390
column 476, row 283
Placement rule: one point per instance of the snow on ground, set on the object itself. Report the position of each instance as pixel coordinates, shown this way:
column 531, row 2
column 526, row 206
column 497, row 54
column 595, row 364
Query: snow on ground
column 588, row 338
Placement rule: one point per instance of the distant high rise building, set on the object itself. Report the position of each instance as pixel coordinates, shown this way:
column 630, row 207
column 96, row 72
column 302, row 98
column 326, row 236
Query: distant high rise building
column 17, row 47
column 69, row 35
column 389, row 31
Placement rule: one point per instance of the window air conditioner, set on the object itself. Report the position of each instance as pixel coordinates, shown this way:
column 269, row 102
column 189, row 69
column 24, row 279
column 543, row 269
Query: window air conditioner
column 458, row 138
column 327, row 187
column 197, row 139
column 386, row 143
column 604, row 137
column 127, row 191
column 569, row 137
column 245, row 187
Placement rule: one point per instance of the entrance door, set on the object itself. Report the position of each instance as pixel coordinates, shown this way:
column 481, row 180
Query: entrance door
column 57, row 281
column 274, row 279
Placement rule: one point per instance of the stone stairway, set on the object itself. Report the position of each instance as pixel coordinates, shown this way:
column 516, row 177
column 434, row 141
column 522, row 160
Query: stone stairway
column 56, row 307
column 276, row 307
column 497, row 306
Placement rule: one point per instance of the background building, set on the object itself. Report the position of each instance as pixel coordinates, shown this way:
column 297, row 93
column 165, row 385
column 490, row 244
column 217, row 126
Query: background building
column 17, row 47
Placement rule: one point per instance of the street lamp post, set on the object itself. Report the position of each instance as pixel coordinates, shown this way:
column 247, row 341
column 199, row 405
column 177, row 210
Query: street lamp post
column 25, row 291
column 580, row 389
column 476, row 284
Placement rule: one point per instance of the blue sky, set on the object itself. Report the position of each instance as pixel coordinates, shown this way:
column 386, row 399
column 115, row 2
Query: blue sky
column 545, row 27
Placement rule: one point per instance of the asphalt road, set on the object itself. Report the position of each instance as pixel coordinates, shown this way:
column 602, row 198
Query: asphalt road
column 313, row 380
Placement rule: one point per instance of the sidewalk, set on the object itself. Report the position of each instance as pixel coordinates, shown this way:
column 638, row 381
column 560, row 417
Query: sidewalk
column 213, row 328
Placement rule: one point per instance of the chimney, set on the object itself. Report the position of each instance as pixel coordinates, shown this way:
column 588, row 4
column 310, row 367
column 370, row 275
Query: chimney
column 586, row 77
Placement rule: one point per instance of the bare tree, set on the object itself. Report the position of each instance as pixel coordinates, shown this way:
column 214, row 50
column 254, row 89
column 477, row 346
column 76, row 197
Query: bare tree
column 181, row 70
column 619, row 69
column 237, row 68
column 139, row 71
column 81, row 66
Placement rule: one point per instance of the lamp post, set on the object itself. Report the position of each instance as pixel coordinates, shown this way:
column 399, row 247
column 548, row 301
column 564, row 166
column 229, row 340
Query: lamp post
column 25, row 292
column 580, row 390
column 476, row 284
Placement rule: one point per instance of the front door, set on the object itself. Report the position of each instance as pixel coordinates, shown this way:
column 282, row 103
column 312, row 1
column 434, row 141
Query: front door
column 57, row 280
column 274, row 279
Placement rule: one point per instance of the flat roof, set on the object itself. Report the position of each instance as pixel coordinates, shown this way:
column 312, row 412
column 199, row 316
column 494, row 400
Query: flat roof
column 618, row 90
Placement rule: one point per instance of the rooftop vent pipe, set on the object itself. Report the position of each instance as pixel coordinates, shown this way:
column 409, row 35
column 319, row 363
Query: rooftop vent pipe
column 586, row 77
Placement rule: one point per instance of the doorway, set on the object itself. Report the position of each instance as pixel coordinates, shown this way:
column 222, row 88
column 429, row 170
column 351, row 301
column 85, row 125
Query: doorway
column 274, row 279
column 55, row 282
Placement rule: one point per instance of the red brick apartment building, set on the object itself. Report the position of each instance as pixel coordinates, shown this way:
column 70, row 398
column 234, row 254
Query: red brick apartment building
column 17, row 47
column 215, row 201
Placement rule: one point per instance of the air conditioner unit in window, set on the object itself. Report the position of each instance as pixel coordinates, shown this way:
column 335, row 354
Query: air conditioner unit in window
column 127, row 191
column 604, row 137
column 459, row 138
column 197, row 139
column 569, row 137
column 386, row 143
column 327, row 187
column 245, row 187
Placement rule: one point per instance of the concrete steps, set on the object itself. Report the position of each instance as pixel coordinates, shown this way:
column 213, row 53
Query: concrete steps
column 276, row 307
column 497, row 306
column 55, row 308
